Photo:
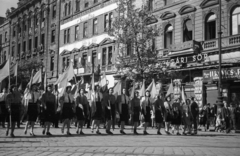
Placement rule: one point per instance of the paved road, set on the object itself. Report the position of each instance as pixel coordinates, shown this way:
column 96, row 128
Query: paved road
column 205, row 143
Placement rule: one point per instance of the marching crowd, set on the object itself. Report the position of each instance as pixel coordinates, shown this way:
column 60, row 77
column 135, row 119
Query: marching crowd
column 49, row 108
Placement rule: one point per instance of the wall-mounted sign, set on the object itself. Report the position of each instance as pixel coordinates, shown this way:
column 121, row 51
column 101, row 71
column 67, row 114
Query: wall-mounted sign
column 227, row 74
column 198, row 85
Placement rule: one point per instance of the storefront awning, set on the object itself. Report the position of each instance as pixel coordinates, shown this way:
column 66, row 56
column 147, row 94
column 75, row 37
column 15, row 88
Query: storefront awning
column 233, row 57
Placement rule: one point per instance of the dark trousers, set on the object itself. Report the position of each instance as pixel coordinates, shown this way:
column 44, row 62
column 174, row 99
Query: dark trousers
column 88, row 119
column 227, row 122
column 56, row 120
column 195, row 123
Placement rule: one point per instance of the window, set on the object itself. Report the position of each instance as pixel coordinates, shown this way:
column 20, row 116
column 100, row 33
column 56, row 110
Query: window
column 168, row 36
column 52, row 63
column 167, row 2
column 86, row 4
column 19, row 30
column 65, row 9
column 6, row 33
column 68, row 60
column 53, row 36
column 4, row 56
column 13, row 51
column 76, row 32
column 14, row 31
column 69, row 8
column 30, row 44
column 150, row 5
column 24, row 46
column 77, row 5
column 235, row 21
column 187, row 30
column 95, row 1
column 110, row 55
column 95, row 30
column 65, row 36
column 75, row 59
column 42, row 40
column 29, row 23
column 24, row 26
column 36, row 21
column 108, row 19
column 84, row 59
column 104, row 56
column 210, row 27
column 36, row 42
column 68, row 35
column 129, row 48
column 54, row 11
column 0, row 39
column 85, row 30
column 19, row 49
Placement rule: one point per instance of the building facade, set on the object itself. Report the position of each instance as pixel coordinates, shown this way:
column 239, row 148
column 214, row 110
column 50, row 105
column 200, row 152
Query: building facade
column 84, row 38
column 4, row 40
column 188, row 44
column 34, row 26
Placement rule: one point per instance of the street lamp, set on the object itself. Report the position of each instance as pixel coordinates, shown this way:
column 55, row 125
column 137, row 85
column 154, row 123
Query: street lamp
column 220, row 98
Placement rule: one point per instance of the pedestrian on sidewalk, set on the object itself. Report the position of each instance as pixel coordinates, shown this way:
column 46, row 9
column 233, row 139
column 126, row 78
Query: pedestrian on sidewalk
column 32, row 105
column 67, row 106
column 226, row 116
column 110, row 111
column 195, row 114
column 135, row 111
column 158, row 110
column 167, row 114
column 232, row 111
column 187, row 117
column 177, row 116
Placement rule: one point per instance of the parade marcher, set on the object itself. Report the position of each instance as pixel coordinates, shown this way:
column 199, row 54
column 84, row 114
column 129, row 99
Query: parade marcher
column 177, row 116
column 49, row 105
column 167, row 114
column 226, row 116
column 4, row 111
column 13, row 101
column 110, row 111
column 195, row 114
column 32, row 107
column 187, row 117
column 135, row 111
column 158, row 110
column 203, row 117
column 146, row 105
column 67, row 105
column 96, row 108
column 81, row 110
column 232, row 111
column 123, row 109
column 208, row 115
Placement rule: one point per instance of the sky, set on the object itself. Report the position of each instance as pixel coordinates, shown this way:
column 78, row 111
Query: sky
column 6, row 4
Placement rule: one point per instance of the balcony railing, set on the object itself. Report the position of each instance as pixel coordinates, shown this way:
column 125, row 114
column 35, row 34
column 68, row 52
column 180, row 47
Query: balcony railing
column 212, row 44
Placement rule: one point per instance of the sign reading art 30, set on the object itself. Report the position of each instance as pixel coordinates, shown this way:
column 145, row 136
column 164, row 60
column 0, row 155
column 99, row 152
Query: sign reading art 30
column 227, row 73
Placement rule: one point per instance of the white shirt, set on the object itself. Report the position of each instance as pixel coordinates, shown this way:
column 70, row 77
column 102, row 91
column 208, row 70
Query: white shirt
column 3, row 96
column 29, row 96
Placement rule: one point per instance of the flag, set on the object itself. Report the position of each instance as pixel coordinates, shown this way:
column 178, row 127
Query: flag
column 103, row 83
column 170, row 90
column 132, row 91
column 142, row 90
column 183, row 95
column 37, row 78
column 29, row 83
column 14, row 68
column 20, row 87
column 117, row 90
column 152, row 89
column 4, row 70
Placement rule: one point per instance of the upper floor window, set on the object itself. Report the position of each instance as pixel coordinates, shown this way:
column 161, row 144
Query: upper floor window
column 66, row 36
column 168, row 36
column 84, row 59
column 69, row 8
column 95, row 1
column 95, row 28
column 13, row 51
column 104, row 56
column 6, row 37
column 14, row 31
column 129, row 48
column 110, row 55
column 76, row 32
column 210, row 27
column 85, row 26
column 30, row 44
column 150, row 5
column 0, row 39
column 36, row 21
column 54, row 11
column 75, row 61
column 43, row 40
column 77, row 5
column 52, row 63
column 187, row 30
column 167, row 2
column 108, row 19
column 235, row 21
column 86, row 4
column 24, row 26
column 19, row 49
column 66, row 9
column 36, row 42
column 53, row 37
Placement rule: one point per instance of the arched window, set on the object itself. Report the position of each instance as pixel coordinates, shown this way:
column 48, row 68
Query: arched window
column 66, row 9
column 168, row 36
column 235, row 29
column 187, row 30
column 210, row 27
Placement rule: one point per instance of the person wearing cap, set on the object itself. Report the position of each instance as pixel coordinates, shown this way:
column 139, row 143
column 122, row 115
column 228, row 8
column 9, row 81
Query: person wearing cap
column 48, row 101
column 123, row 109
column 32, row 105
column 135, row 111
column 4, row 111
column 177, row 116
column 96, row 108
column 195, row 114
column 158, row 110
column 81, row 110
column 146, row 105
column 13, row 104
column 67, row 106
column 110, row 111
column 167, row 114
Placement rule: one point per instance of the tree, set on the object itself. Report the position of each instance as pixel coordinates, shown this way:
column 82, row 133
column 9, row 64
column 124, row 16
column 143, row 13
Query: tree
column 135, row 39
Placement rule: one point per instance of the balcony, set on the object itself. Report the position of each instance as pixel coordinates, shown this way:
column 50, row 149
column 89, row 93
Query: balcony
column 212, row 44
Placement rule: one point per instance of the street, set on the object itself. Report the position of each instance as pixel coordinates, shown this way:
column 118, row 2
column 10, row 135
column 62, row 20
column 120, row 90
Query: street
column 205, row 143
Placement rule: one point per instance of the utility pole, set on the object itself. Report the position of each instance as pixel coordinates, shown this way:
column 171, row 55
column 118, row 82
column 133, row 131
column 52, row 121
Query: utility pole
column 220, row 98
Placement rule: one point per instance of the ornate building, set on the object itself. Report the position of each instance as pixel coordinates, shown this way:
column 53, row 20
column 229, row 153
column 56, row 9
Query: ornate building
column 34, row 26
column 4, row 39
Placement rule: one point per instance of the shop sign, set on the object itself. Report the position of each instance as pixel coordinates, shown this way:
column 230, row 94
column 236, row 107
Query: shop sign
column 227, row 74
column 81, row 70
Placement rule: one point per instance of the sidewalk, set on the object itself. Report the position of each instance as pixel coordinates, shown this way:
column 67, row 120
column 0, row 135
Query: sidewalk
column 205, row 143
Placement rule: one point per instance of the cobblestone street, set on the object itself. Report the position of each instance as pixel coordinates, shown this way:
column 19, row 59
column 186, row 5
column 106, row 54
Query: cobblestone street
column 205, row 143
